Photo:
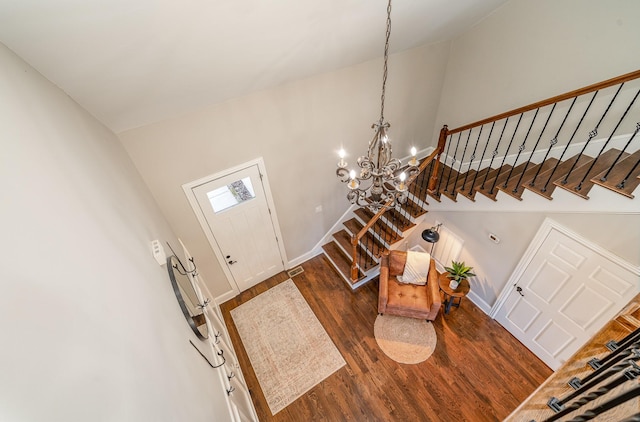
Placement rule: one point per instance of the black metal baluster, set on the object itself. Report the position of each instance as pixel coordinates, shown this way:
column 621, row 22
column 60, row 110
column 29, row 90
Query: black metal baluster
column 632, row 418
column 554, row 141
column 544, row 188
column 592, row 134
column 596, row 363
column 621, row 354
column 424, row 184
column 624, row 181
column 395, row 223
column 593, row 163
column 495, row 181
column 589, row 397
column 605, row 407
column 520, row 149
column 384, row 236
column 443, row 161
column 604, row 178
column 420, row 180
column 453, row 162
column 473, row 157
column 360, row 253
column 495, row 152
column 370, row 242
column 533, row 150
column 464, row 152
column 475, row 177
column 626, row 364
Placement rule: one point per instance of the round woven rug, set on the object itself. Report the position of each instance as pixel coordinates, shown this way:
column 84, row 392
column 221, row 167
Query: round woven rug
column 405, row 340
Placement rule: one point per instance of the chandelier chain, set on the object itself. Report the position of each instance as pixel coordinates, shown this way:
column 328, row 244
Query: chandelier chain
column 382, row 180
column 386, row 57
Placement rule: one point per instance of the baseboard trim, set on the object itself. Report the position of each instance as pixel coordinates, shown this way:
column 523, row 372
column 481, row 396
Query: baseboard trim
column 477, row 300
column 225, row 297
column 304, row 257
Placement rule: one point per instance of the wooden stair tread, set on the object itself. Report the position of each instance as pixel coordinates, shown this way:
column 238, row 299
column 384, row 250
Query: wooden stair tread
column 365, row 261
column 419, row 186
column 621, row 169
column 542, row 179
column 442, row 180
column 368, row 240
column 343, row 239
column 353, row 225
column 470, row 188
column 386, row 233
column 340, row 262
column 413, row 209
column 490, row 189
column 573, row 181
column 467, row 189
column 514, row 189
column 447, row 183
column 398, row 219
column 451, row 190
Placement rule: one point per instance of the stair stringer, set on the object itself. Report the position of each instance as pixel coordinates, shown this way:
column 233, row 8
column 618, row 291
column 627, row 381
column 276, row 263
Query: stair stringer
column 601, row 200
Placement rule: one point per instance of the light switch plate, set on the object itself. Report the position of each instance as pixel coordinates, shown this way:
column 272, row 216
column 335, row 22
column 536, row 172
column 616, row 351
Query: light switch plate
column 158, row 252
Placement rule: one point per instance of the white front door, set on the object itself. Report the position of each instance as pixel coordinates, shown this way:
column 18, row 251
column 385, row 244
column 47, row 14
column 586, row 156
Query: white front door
column 566, row 292
column 236, row 213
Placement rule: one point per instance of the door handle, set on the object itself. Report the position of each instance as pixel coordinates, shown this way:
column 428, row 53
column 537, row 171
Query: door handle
column 232, row 262
column 519, row 290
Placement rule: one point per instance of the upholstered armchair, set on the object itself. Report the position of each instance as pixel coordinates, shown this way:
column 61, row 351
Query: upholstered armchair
column 408, row 300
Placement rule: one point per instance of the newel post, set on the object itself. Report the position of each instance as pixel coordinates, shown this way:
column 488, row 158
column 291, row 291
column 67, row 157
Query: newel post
column 354, row 259
column 433, row 181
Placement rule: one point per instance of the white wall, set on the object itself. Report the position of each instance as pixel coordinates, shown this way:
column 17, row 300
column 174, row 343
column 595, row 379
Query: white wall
column 529, row 50
column 494, row 263
column 90, row 327
column 298, row 129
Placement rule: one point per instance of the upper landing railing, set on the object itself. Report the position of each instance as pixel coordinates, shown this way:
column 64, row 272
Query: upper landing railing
column 551, row 128
column 559, row 127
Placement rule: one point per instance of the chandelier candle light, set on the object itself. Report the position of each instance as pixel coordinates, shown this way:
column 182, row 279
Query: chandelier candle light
column 386, row 188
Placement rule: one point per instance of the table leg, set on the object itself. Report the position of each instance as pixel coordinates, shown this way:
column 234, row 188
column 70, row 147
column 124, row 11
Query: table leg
column 447, row 303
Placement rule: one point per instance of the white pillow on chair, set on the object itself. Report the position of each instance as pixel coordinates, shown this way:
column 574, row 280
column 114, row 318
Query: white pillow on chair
column 416, row 268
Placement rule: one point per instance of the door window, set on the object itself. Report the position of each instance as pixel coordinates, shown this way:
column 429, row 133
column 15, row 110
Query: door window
column 231, row 195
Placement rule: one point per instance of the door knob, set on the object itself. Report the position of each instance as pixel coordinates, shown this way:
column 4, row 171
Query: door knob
column 228, row 256
column 232, row 262
column 519, row 290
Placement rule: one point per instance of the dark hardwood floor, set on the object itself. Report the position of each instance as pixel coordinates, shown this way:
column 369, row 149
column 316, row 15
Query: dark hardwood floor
column 478, row 372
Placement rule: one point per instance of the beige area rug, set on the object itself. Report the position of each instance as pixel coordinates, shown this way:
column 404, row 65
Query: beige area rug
column 405, row 340
column 289, row 349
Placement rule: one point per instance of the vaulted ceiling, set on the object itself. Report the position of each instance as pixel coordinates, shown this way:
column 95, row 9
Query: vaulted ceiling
column 132, row 62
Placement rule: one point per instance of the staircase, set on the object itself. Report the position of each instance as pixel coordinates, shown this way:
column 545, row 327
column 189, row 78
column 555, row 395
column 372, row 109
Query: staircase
column 377, row 235
column 551, row 144
column 599, row 382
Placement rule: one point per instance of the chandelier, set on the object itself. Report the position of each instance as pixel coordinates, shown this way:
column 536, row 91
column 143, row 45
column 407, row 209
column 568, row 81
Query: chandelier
column 381, row 180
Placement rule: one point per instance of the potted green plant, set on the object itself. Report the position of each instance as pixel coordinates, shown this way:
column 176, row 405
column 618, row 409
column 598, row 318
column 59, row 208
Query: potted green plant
column 457, row 272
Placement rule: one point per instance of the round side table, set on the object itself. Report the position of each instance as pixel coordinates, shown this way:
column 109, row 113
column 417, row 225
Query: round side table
column 450, row 295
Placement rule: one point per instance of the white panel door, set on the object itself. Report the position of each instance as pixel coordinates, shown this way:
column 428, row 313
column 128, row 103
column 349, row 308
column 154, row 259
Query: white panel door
column 237, row 214
column 566, row 293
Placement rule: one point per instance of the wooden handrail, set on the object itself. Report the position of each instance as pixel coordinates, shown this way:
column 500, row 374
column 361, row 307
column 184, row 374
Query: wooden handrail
column 568, row 95
column 355, row 239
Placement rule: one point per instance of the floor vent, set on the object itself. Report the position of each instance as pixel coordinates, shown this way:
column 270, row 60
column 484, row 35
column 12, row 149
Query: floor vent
column 295, row 271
